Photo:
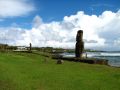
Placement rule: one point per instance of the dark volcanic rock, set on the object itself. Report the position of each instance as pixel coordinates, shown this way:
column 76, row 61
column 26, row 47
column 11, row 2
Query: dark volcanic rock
column 79, row 44
column 30, row 46
column 59, row 61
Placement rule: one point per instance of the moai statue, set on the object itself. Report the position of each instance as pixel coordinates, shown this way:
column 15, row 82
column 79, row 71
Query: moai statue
column 30, row 47
column 79, row 44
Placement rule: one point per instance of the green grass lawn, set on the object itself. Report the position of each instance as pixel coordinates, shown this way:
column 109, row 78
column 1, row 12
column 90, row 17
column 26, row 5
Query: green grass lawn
column 27, row 71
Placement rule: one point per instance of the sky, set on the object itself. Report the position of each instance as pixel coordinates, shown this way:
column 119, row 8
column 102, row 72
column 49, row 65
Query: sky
column 54, row 23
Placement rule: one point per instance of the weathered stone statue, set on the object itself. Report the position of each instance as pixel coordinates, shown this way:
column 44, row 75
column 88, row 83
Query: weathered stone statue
column 30, row 47
column 79, row 44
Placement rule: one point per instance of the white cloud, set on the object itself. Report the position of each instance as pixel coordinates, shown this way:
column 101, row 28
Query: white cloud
column 11, row 8
column 37, row 21
column 100, row 32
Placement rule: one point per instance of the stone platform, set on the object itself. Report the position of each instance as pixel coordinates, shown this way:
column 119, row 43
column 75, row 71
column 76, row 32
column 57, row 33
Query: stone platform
column 84, row 60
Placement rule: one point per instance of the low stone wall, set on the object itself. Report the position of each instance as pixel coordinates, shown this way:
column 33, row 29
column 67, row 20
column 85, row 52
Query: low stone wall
column 84, row 60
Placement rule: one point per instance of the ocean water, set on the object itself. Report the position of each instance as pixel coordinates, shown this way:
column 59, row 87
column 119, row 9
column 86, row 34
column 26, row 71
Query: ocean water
column 112, row 57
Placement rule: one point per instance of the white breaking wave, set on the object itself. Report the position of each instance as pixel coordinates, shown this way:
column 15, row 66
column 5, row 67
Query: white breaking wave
column 100, row 54
column 94, row 54
column 110, row 54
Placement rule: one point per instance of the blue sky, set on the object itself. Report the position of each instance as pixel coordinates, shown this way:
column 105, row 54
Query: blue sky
column 55, row 23
column 55, row 10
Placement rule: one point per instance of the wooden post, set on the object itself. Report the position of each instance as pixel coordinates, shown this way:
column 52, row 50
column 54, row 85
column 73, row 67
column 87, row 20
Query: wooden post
column 79, row 44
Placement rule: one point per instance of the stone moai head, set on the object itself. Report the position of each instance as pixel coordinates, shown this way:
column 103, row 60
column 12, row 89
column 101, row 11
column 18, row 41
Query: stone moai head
column 79, row 36
column 30, row 44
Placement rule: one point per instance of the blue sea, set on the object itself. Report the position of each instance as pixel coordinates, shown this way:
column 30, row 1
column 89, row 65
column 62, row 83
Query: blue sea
column 112, row 57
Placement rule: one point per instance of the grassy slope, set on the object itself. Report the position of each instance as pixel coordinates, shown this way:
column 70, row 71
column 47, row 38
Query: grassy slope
column 28, row 71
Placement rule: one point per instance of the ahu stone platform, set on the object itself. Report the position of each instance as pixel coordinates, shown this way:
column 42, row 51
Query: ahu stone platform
column 83, row 60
